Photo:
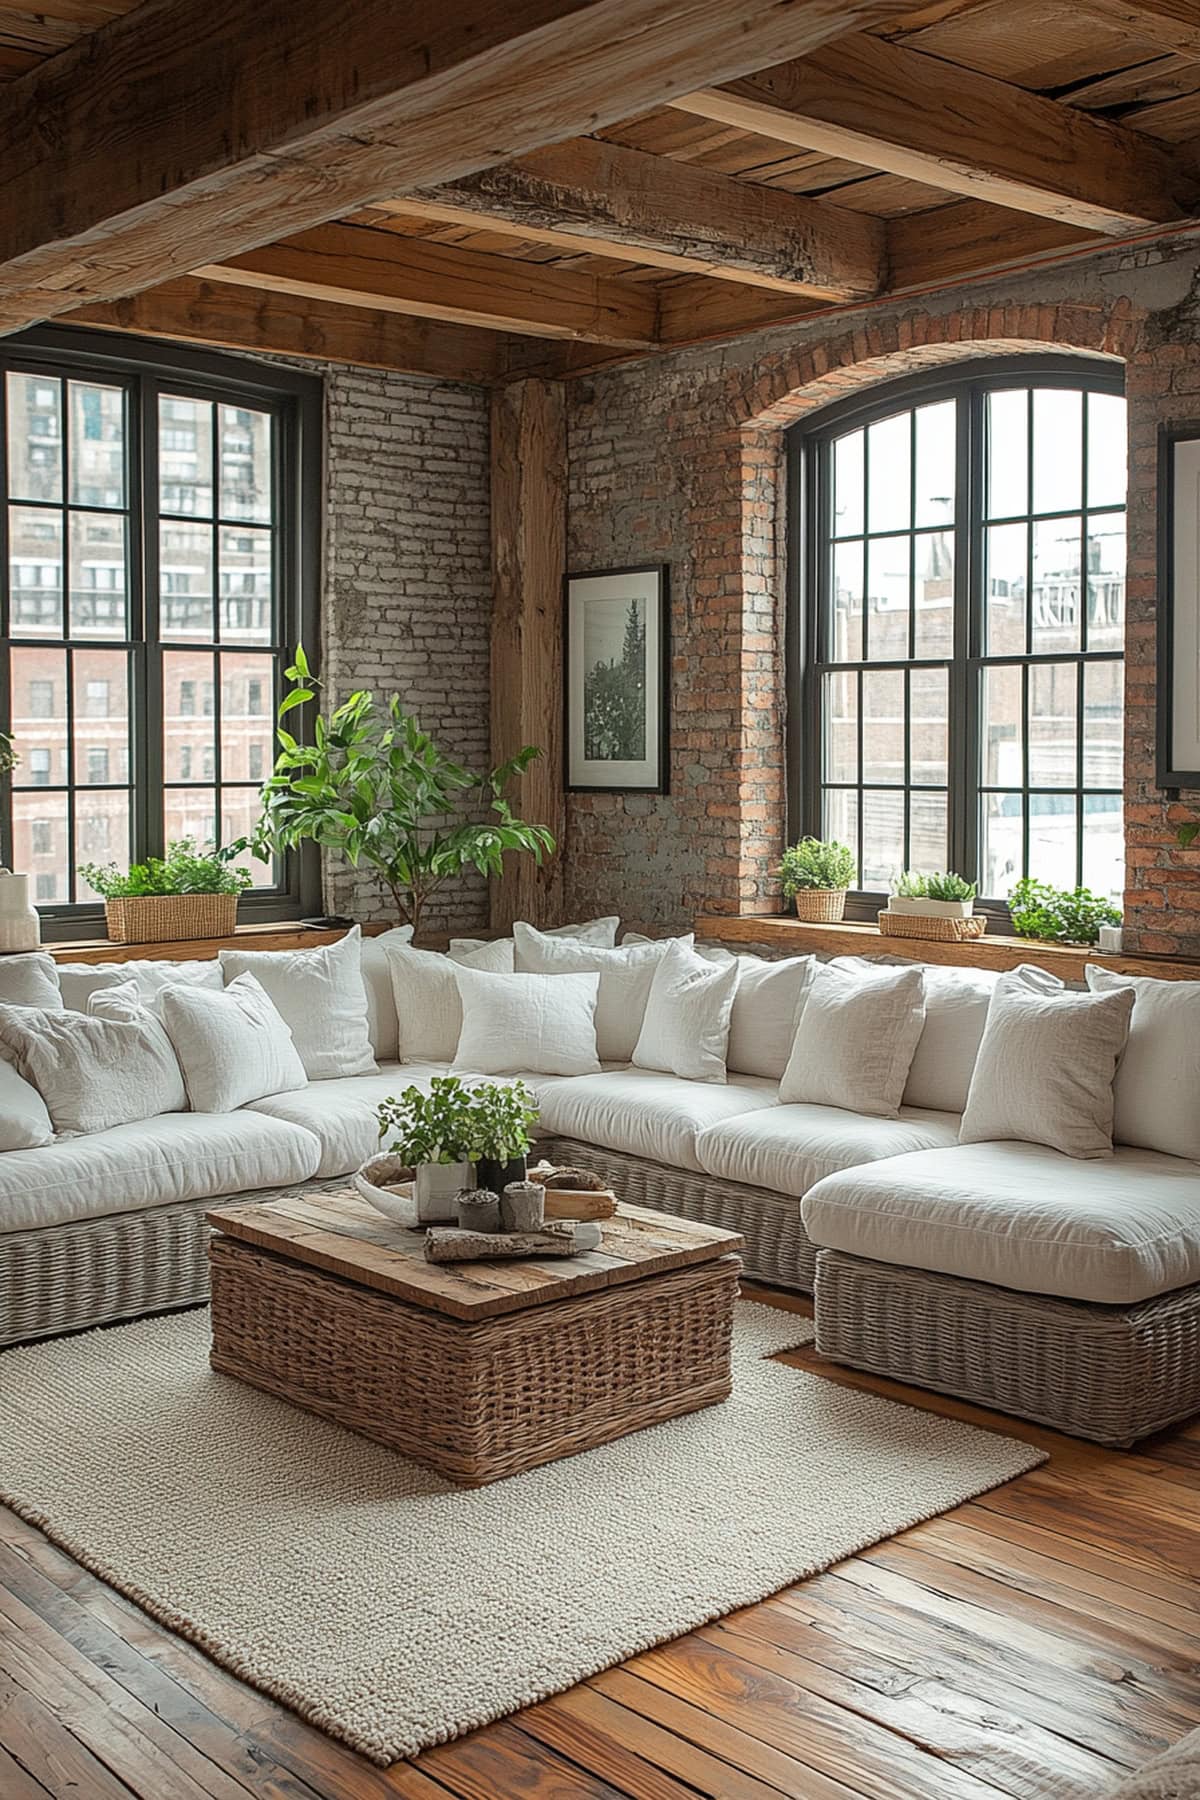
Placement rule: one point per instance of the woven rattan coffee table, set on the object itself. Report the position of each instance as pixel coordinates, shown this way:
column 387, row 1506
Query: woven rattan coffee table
column 479, row 1370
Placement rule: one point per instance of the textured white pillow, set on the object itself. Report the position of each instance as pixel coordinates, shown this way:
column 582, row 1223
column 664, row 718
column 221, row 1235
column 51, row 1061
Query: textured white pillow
column 762, row 1029
column 527, row 1024
column 24, row 1122
column 233, row 1047
column 126, row 1004
column 428, row 1008
column 956, row 1009
column 1044, row 1073
column 686, row 1027
column 381, row 1002
column 625, row 977
column 92, row 1073
column 592, row 931
column 321, row 996
column 1157, row 1089
column 79, row 981
column 857, row 1030
column 30, row 980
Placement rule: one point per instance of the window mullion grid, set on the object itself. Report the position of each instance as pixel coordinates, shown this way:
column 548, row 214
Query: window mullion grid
column 1079, row 816
column 149, row 802
column 963, row 746
column 861, row 804
column 6, row 812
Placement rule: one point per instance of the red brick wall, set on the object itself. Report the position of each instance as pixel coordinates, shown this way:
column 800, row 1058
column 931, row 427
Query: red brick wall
column 682, row 460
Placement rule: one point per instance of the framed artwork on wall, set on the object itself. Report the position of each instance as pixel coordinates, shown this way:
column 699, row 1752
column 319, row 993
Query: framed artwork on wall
column 1179, row 606
column 616, row 645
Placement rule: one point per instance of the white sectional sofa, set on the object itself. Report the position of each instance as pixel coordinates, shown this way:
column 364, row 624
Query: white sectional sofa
column 1067, row 1290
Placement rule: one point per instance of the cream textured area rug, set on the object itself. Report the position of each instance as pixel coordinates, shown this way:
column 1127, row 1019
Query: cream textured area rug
column 395, row 1611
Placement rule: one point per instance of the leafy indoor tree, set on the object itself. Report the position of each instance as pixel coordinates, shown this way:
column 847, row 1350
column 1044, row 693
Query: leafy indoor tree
column 374, row 788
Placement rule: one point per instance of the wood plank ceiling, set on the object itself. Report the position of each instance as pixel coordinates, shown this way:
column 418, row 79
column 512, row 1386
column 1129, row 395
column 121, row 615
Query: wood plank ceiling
column 944, row 140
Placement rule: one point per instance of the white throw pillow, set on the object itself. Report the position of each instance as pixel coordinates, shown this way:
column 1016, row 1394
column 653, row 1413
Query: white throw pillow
column 92, row 1073
column 126, row 1004
column 686, row 1028
column 494, row 956
column 762, row 1029
column 24, row 1122
column 30, row 980
column 625, row 977
column 428, row 1008
column 592, row 931
column 956, row 1009
column 381, row 1002
column 857, row 1030
column 1044, row 1073
column 233, row 1047
column 527, row 1024
column 79, row 981
column 1157, row 1088
column 321, row 996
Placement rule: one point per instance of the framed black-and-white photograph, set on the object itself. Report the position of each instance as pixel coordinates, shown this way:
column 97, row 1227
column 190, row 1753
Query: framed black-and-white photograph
column 1179, row 606
column 617, row 651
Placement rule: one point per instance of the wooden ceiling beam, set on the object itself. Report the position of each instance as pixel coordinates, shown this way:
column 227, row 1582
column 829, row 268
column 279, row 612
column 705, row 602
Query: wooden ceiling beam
column 968, row 238
column 382, row 271
column 238, row 318
column 1172, row 24
column 599, row 198
column 895, row 109
column 172, row 138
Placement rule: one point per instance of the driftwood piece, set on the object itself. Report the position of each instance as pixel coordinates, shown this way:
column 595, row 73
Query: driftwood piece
column 571, row 1203
column 562, row 1238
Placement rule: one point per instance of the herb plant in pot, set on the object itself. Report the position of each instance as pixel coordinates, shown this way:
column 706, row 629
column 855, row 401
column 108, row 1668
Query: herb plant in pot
column 815, row 875
column 946, row 896
column 189, row 893
column 433, row 1134
column 1059, row 915
column 503, row 1119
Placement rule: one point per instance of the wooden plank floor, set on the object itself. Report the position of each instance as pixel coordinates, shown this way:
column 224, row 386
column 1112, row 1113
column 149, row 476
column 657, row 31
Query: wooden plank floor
column 1033, row 1643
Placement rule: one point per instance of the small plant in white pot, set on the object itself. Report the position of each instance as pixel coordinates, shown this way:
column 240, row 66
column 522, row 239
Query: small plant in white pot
column 944, row 896
column 815, row 874
column 431, row 1133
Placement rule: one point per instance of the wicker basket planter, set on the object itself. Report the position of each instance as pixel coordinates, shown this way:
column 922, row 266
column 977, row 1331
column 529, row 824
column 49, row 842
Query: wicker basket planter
column 820, row 906
column 159, row 918
column 938, row 931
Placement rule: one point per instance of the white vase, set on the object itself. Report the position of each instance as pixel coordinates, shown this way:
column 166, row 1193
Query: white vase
column 20, row 926
column 435, row 1189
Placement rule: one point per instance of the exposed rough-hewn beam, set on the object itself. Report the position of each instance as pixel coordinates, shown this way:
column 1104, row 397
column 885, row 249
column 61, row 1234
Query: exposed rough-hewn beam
column 239, row 318
column 384, row 271
column 601, row 198
column 915, row 116
column 695, row 309
column 1173, row 24
column 967, row 238
column 174, row 138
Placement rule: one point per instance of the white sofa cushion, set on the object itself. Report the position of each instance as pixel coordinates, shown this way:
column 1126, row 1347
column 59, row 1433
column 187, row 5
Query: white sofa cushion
column 341, row 1115
column 93, row 1073
column 177, row 1156
column 1157, row 1086
column 233, row 1046
column 322, row 998
column 426, row 998
column 79, row 981
column 30, row 980
column 762, row 1027
column 383, row 1027
column 1111, row 1231
column 542, row 1023
column 592, row 931
column 857, row 1030
column 643, row 1112
column 788, row 1148
column 625, row 977
column 24, row 1121
column 686, row 1027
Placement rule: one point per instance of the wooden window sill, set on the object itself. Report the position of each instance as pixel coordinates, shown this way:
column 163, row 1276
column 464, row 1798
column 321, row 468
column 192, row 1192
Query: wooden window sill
column 279, row 934
column 784, row 934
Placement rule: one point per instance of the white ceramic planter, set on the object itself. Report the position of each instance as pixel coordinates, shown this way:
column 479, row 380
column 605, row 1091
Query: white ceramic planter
column 435, row 1189
column 909, row 908
column 20, row 926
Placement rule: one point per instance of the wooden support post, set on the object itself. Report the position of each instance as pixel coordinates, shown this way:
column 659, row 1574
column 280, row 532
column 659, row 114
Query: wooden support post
column 529, row 530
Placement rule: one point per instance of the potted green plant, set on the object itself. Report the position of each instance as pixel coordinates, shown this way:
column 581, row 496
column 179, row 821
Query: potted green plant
column 376, row 789
column 189, row 893
column 433, row 1133
column 1059, row 915
column 503, row 1119
column 942, row 896
column 815, row 874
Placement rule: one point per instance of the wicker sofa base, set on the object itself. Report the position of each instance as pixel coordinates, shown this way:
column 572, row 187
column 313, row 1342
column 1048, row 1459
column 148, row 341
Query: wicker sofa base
column 1112, row 1374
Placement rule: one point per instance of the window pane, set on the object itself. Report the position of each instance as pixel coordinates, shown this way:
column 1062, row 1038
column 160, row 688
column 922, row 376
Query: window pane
column 185, row 581
column 34, row 437
column 936, row 427
column 1103, row 724
column 98, row 586
column 1053, row 838
column 245, row 463
column 35, row 562
column 846, row 633
column 1001, row 846
column 1056, row 585
column 1007, row 453
column 247, row 717
column 1057, row 449
column 928, row 846
column 934, row 593
column 1002, row 763
column 101, row 730
column 185, row 455
column 1106, row 581
column 245, row 586
column 1103, row 844
column 97, row 447
column 1053, row 694
column 883, row 837
column 929, row 704
column 1107, row 450
column 101, row 834
column 39, row 716
column 888, row 590
column 848, row 484
column 240, row 808
column 883, row 725
column 189, row 717
column 41, row 847
column 889, row 473
column 839, row 818
column 1006, row 550
column 190, row 813
column 840, row 713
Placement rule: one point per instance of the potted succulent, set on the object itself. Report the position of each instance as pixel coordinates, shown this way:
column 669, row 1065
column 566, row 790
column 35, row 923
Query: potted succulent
column 945, row 896
column 815, row 875
column 189, row 893
column 432, row 1134
column 503, row 1118
column 1059, row 915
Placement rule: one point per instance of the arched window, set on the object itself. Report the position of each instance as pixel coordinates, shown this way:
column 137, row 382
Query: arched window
column 958, row 626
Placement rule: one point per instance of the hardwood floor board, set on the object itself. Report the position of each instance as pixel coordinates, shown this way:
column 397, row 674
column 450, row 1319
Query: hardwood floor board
column 1142, row 1577
column 45, row 1750
column 1122, row 1526
column 603, row 1739
column 17, row 1783
column 501, row 1759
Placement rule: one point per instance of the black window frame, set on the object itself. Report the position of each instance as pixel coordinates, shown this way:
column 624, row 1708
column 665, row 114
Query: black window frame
column 146, row 368
column 809, row 496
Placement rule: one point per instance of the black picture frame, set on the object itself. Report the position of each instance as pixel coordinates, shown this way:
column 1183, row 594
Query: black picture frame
column 594, row 776
column 1176, row 768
